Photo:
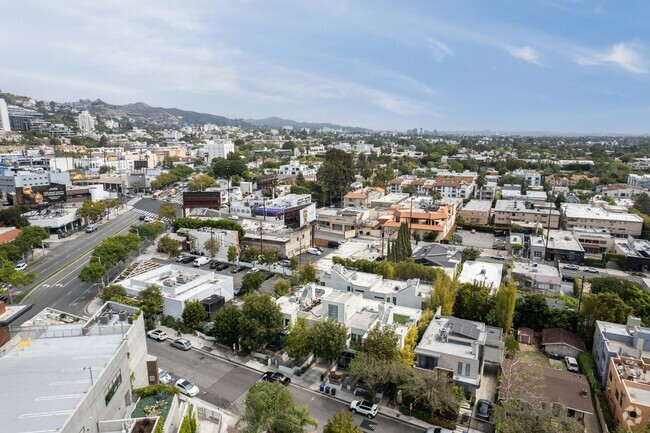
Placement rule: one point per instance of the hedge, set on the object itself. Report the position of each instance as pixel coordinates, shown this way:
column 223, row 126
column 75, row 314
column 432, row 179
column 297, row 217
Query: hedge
column 423, row 416
column 588, row 368
column 152, row 390
column 195, row 223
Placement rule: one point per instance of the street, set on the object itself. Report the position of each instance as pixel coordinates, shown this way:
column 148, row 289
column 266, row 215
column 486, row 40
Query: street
column 225, row 385
column 58, row 285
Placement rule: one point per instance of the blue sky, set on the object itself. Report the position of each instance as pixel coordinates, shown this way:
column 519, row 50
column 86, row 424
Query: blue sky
column 508, row 65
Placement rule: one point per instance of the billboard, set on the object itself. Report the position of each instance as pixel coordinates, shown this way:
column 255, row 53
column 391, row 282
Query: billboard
column 300, row 216
column 204, row 199
column 139, row 165
column 52, row 193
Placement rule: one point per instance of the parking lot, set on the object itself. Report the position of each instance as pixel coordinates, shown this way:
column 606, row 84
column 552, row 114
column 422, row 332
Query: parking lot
column 477, row 239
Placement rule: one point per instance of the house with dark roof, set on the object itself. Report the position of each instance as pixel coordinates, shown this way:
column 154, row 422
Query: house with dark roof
column 549, row 386
column 447, row 257
column 562, row 342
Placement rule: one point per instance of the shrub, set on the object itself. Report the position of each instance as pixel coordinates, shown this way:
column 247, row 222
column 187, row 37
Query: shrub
column 153, row 390
column 588, row 368
column 427, row 418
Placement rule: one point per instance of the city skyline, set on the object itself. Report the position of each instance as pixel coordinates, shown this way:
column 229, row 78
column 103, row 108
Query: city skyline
column 556, row 66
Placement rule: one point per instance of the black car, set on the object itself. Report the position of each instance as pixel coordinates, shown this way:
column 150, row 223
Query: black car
column 554, row 355
column 239, row 292
column 218, row 266
column 237, row 269
column 483, row 409
column 141, row 218
column 269, row 275
column 272, row 376
column 187, row 259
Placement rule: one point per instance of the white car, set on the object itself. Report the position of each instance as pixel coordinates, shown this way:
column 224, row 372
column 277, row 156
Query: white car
column 188, row 388
column 233, row 217
column 200, row 261
column 163, row 376
column 592, row 270
column 157, row 334
column 313, row 251
column 364, row 407
column 20, row 267
column 149, row 219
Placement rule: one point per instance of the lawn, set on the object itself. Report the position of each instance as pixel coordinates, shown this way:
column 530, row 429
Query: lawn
column 538, row 358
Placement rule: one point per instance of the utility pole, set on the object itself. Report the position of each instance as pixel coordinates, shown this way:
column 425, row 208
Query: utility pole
column 582, row 288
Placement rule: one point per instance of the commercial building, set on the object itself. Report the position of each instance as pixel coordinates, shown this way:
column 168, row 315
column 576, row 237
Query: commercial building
column 484, row 274
column 180, row 284
column 70, row 375
column 85, row 121
column 558, row 245
column 537, row 277
column 411, row 293
column 23, row 119
column 342, row 220
column 514, row 193
column 287, row 242
column 197, row 240
column 218, row 149
column 636, row 252
column 5, row 124
column 618, row 223
column 25, row 178
column 477, row 212
column 389, row 200
column 362, row 197
column 460, row 348
column 507, row 212
column 357, row 313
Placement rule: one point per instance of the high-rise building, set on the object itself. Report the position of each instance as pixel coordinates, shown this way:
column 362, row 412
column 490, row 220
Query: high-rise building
column 4, row 116
column 22, row 119
column 85, row 121
column 218, row 149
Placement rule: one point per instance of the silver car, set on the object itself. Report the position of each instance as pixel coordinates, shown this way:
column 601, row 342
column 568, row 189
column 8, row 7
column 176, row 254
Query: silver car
column 182, row 343
column 163, row 376
column 186, row 387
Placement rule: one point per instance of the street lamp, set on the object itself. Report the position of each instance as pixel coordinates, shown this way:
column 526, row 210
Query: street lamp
column 90, row 370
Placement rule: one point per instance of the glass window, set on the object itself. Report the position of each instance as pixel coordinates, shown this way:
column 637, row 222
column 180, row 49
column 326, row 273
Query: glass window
column 468, row 369
column 459, row 369
column 333, row 312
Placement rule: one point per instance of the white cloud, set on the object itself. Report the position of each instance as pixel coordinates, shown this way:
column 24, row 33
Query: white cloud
column 525, row 53
column 626, row 56
column 439, row 50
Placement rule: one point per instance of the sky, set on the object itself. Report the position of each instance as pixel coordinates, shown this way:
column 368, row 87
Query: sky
column 572, row 66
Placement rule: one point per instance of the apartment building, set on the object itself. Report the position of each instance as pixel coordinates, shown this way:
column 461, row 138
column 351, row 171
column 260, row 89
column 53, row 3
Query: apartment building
column 5, row 125
column 594, row 241
column 477, row 212
column 627, row 391
column 294, row 168
column 558, row 245
column 532, row 177
column 86, row 121
column 636, row 252
column 613, row 219
column 411, row 293
column 447, row 186
column 537, row 277
column 620, row 190
column 508, row 212
column 218, row 149
column 436, row 220
column 642, row 180
column 363, row 197
column 487, row 191
column 460, row 348
column 357, row 313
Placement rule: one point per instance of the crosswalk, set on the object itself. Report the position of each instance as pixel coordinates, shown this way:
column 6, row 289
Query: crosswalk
column 152, row 215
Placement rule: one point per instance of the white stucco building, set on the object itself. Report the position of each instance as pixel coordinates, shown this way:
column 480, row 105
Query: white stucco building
column 218, row 149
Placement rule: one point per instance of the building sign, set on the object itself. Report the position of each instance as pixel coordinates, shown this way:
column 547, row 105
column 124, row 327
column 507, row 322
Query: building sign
column 205, row 199
column 52, row 193
column 299, row 216
column 139, row 165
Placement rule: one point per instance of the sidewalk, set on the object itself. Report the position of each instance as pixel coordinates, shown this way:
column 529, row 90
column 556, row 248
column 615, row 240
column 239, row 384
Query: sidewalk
column 310, row 380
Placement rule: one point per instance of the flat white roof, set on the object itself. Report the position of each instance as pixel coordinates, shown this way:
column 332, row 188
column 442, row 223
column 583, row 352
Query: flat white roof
column 44, row 383
column 483, row 273
column 478, row 205
column 432, row 344
column 585, row 211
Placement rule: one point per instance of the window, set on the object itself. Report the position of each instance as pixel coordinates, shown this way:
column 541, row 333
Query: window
column 112, row 388
column 333, row 312
column 468, row 369
column 428, row 362
column 459, row 369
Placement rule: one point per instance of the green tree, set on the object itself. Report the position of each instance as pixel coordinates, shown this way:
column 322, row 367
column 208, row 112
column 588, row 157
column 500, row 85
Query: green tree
column 297, row 342
column 194, row 313
column 163, row 180
column 511, row 345
column 151, row 300
column 103, row 141
column 401, row 249
column 167, row 211
column 32, row 236
column 473, row 302
column 642, row 203
column 444, row 293
column 182, row 171
column 306, row 274
column 252, row 281
column 336, row 173
column 150, row 230
column 455, row 165
column 376, row 371
column 91, row 210
column 470, row 254
column 229, row 167
column 407, row 353
column 281, row 287
column 270, row 407
column 515, row 416
column 225, row 327
column 293, row 263
column 250, row 254
column 212, row 246
column 10, row 277
column 13, row 217
column 261, row 320
column 341, row 422
column 169, row 246
column 503, row 311
column 201, row 182
column 269, row 256
column 532, row 312
column 328, row 339
column 232, row 253
column 112, row 292
column 92, row 272
column 607, row 307
column 433, row 391
column 381, row 343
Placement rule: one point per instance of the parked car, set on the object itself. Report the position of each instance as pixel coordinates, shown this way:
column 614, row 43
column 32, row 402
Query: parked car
column 284, row 262
column 274, row 376
column 498, row 257
column 253, row 270
column 42, row 245
column 187, row 259
column 437, row 430
column 571, row 267
column 91, row 228
column 233, row 217
column 181, row 343
column 364, row 407
column 483, row 409
column 200, row 261
column 188, row 388
column 554, row 355
column 20, row 267
column 237, row 269
column 320, row 249
column 313, row 251
column 239, row 292
column 571, row 364
column 269, row 275
column 163, row 376
column 218, row 266
column 592, row 270
column 157, row 334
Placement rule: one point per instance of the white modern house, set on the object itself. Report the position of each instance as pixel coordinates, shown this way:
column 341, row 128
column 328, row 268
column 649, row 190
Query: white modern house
column 357, row 313
column 411, row 293
column 460, row 348
column 294, row 168
column 483, row 274
column 180, row 284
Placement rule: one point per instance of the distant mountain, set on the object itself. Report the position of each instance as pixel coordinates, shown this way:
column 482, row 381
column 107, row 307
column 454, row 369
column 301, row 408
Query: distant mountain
column 161, row 115
column 277, row 122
